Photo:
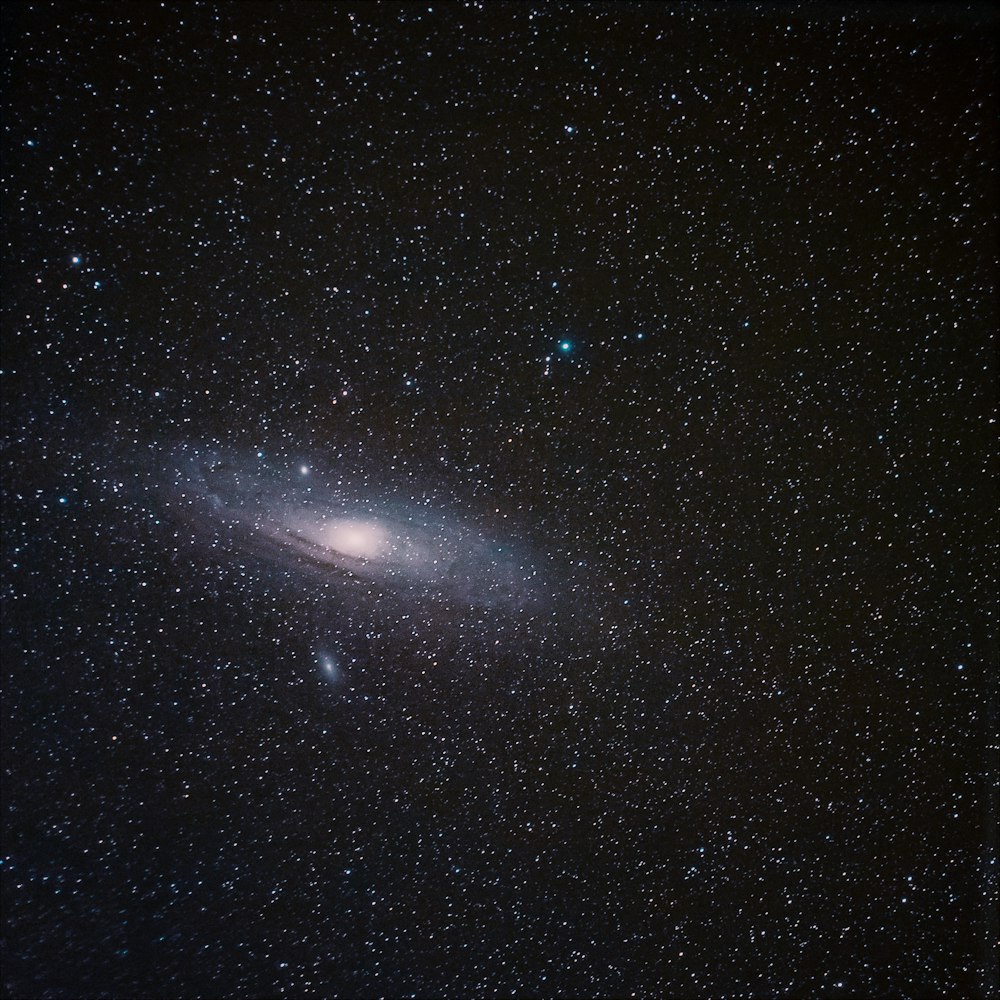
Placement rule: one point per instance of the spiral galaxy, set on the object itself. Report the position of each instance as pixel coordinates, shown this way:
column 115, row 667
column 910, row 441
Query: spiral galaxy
column 298, row 519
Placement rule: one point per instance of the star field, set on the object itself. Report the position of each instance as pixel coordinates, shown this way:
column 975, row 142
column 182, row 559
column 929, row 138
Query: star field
column 499, row 500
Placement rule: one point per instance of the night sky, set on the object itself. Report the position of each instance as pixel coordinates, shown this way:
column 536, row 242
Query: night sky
column 499, row 500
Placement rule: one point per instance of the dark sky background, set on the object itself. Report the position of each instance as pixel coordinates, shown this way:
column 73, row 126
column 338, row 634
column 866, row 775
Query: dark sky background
column 694, row 304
